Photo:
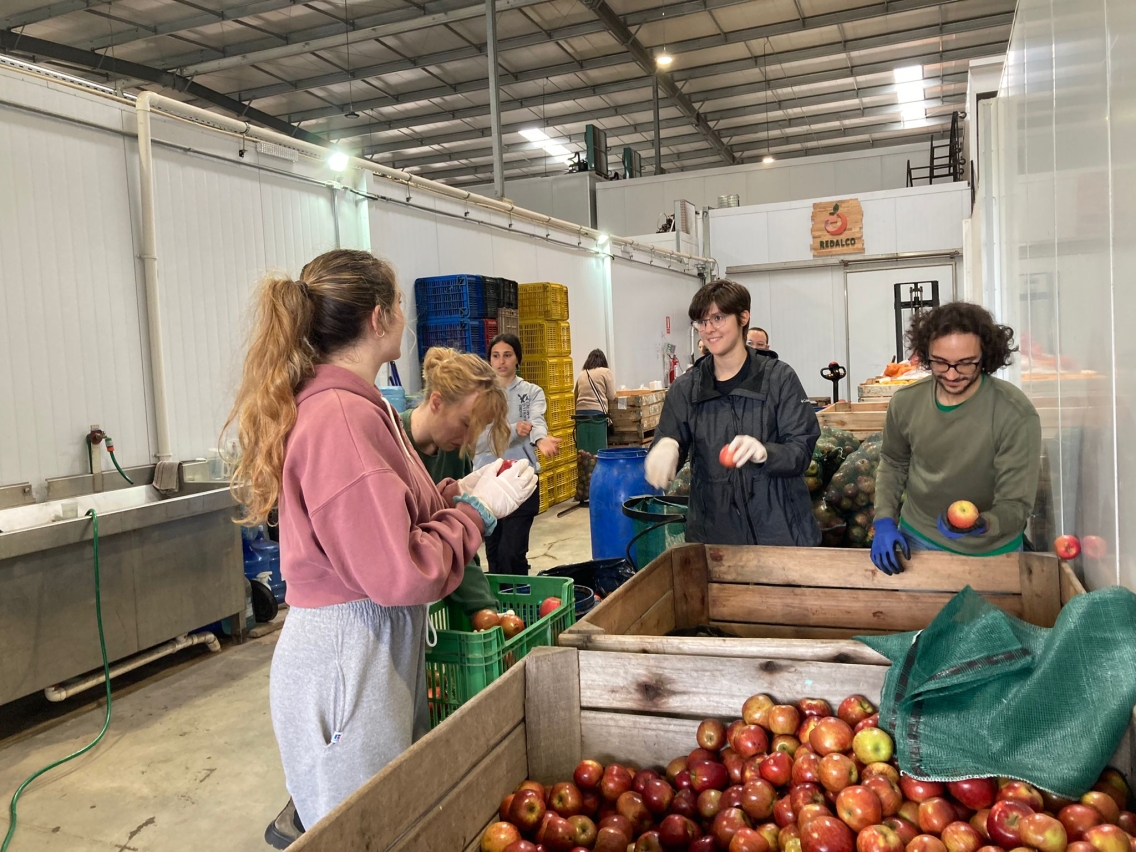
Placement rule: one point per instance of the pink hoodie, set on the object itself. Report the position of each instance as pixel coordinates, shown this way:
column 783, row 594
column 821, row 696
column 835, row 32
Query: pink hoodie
column 359, row 515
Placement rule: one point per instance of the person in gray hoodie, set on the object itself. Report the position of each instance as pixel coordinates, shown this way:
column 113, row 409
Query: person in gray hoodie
column 508, row 547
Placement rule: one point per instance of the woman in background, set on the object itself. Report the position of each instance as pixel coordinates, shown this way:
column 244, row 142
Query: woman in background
column 507, row 547
column 460, row 399
column 595, row 386
column 367, row 540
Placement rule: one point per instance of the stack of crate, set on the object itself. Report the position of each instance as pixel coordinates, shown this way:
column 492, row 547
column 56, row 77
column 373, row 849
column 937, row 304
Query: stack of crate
column 546, row 338
column 461, row 311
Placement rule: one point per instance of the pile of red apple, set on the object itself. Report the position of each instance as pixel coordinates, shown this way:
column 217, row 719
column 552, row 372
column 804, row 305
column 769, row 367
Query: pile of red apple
column 797, row 778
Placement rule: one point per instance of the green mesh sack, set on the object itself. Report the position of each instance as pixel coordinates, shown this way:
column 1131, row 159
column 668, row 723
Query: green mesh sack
column 980, row 693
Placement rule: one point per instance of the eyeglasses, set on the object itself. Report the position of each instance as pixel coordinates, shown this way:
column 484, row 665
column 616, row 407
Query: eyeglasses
column 714, row 321
column 963, row 368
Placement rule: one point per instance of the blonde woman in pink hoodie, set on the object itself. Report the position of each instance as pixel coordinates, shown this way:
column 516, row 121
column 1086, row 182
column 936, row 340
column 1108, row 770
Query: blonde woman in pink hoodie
column 367, row 540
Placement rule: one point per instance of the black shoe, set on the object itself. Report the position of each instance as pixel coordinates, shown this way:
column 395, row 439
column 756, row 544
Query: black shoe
column 286, row 828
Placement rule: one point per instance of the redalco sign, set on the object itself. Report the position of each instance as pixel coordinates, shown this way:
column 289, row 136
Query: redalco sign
column 838, row 228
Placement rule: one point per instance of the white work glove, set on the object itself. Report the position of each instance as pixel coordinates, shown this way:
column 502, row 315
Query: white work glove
column 468, row 483
column 746, row 448
column 662, row 462
column 502, row 495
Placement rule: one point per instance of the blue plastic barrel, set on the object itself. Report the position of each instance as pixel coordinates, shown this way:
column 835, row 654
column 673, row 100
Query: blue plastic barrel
column 396, row 396
column 619, row 476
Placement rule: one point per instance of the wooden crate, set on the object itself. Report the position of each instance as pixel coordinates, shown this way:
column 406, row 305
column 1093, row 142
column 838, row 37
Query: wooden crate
column 806, row 603
column 545, row 715
column 859, row 418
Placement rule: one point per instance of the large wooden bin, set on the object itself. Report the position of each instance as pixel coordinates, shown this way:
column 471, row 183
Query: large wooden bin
column 806, row 603
column 859, row 418
column 544, row 716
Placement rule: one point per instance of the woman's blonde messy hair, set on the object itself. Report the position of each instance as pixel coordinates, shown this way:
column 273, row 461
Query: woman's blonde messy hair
column 299, row 323
column 454, row 376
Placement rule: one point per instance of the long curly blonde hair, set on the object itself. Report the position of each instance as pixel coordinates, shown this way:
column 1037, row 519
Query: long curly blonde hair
column 299, row 323
column 454, row 376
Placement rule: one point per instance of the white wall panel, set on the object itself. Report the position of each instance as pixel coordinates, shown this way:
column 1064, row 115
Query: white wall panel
column 69, row 312
column 642, row 299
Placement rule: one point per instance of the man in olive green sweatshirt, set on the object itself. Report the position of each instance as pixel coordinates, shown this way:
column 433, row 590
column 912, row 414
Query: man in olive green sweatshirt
column 960, row 435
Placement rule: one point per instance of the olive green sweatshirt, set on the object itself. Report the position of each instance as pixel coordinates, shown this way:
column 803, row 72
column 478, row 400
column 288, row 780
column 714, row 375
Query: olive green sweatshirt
column 474, row 593
column 986, row 450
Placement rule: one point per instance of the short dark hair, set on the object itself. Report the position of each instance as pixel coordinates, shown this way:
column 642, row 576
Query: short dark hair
column 596, row 359
column 510, row 339
column 729, row 296
column 997, row 341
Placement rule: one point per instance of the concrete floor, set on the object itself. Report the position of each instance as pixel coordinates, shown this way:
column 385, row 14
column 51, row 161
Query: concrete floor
column 190, row 760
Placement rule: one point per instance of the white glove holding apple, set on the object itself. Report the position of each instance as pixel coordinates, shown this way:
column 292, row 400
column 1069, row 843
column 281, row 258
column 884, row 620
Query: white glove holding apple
column 468, row 483
column 746, row 448
column 503, row 493
column 662, row 462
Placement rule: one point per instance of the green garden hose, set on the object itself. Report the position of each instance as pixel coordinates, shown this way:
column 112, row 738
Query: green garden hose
column 106, row 674
column 113, row 458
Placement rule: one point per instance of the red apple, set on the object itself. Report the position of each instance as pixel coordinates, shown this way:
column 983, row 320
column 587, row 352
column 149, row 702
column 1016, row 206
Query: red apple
column 1113, row 783
column 726, row 457
column 786, row 743
column 711, row 735
column 805, row 794
column 1127, row 821
column 658, row 795
column 558, row 834
column 1000, row 849
column 589, row 803
column 827, row 834
column 878, row 838
column 706, row 843
column 549, row 606
column 732, row 797
column 700, row 755
column 726, row 825
column 735, row 765
column 649, row 842
column 685, row 803
column 683, row 781
column 807, row 726
column 1020, row 791
column 1067, row 547
column 885, row 770
column 709, row 776
column 962, row 515
column 806, row 768
column 521, row 846
column 639, row 782
column 615, row 782
column 566, row 799
column 814, row 707
column 631, row 806
column 1043, row 832
column 858, row 807
column 755, row 711
column 872, row 721
column 935, row 814
column 748, row 840
column 961, row 837
column 837, row 771
column 811, row 812
column 784, row 719
column 887, row 792
column 750, row 740
column 978, row 823
column 1077, row 819
column 585, row 830
column 527, row 810
column 777, row 769
column 919, row 791
column 906, row 829
column 511, row 625
column 975, row 793
column 535, row 786
column 757, row 800
column 752, row 769
column 709, row 803
column 830, row 736
column 855, row 709
column 588, row 774
column 926, row 843
column 909, row 811
column 873, row 745
column 787, row 834
column 484, row 619
column 1107, row 838
column 1080, row 846
column 783, row 813
column 677, row 832
column 619, row 822
column 673, row 768
column 498, row 836
column 771, row 833
column 1004, row 822
column 1104, row 804
column 611, row 840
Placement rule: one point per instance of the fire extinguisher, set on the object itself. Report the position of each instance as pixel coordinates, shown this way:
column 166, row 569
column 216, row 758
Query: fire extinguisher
column 674, row 369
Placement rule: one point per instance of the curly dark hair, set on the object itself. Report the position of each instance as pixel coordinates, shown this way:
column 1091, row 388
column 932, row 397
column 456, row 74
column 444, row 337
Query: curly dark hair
column 962, row 318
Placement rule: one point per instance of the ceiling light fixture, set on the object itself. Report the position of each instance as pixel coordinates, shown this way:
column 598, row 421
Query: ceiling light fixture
column 913, row 112
column 557, row 150
column 664, row 59
column 602, row 240
column 337, row 161
column 908, row 93
column 768, row 158
column 908, row 74
column 535, row 134
column 351, row 113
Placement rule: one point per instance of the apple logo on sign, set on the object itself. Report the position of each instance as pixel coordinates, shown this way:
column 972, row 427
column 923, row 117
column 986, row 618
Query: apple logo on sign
column 836, row 222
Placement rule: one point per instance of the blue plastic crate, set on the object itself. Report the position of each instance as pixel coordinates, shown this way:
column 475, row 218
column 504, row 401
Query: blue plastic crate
column 463, row 335
column 452, row 296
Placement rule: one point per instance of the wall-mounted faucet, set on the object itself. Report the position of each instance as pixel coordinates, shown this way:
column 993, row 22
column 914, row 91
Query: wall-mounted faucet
column 95, row 457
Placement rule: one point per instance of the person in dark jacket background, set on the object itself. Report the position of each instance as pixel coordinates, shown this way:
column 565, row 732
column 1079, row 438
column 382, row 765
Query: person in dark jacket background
column 749, row 401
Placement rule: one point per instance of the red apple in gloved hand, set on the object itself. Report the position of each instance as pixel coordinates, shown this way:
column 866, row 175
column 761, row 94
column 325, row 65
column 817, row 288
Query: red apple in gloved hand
column 962, row 515
column 726, row 457
column 505, row 465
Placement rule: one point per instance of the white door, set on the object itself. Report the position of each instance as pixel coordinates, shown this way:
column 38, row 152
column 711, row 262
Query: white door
column 872, row 315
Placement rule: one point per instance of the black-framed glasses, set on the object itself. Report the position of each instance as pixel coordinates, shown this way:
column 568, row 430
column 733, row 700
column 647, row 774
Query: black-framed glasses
column 714, row 321
column 965, row 368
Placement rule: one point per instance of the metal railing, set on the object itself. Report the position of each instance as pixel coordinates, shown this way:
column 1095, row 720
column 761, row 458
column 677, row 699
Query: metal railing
column 945, row 161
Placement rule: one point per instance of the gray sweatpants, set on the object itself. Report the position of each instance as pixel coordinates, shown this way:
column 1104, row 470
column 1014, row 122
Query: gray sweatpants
column 348, row 695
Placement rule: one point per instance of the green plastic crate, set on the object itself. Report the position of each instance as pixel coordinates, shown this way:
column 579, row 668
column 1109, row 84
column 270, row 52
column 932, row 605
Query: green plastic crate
column 463, row 663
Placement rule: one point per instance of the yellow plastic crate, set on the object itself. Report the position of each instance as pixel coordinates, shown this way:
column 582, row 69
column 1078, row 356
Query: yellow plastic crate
column 546, row 339
column 554, row 375
column 567, row 454
column 566, row 490
column 556, row 486
column 561, row 407
column 543, row 300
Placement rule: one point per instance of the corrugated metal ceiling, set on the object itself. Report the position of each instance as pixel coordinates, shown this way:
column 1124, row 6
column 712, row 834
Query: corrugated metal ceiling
column 780, row 77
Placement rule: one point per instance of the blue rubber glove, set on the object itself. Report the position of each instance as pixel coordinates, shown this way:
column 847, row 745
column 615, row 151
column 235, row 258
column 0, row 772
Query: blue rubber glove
column 978, row 529
column 887, row 540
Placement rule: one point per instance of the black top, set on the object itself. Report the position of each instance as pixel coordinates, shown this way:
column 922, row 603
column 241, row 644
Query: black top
column 725, row 388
